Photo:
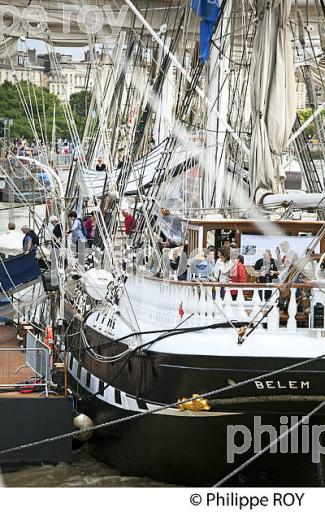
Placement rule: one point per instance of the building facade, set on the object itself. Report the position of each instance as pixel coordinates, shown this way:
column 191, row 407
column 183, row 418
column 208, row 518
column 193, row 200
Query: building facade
column 69, row 77
column 25, row 66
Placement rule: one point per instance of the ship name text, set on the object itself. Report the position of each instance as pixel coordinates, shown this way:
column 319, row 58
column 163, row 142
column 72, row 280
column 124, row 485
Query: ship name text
column 278, row 385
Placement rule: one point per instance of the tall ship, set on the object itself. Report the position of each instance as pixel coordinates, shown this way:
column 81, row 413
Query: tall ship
column 192, row 321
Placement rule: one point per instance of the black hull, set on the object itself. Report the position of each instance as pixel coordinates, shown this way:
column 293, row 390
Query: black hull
column 192, row 451
column 191, row 448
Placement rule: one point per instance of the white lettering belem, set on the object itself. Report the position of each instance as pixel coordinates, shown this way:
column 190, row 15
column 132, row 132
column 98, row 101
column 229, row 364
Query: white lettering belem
column 277, row 385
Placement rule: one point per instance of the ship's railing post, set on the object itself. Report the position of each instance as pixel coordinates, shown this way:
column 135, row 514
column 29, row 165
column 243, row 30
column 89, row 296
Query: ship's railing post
column 238, row 304
column 227, row 304
column 273, row 318
column 197, row 294
column 211, row 308
column 202, row 301
column 292, row 311
column 256, row 302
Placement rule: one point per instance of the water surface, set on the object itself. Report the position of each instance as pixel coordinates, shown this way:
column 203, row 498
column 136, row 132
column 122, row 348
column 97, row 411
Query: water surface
column 84, row 471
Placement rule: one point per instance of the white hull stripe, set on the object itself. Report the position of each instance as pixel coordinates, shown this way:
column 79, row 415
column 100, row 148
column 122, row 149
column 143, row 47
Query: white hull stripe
column 121, row 399
column 108, row 394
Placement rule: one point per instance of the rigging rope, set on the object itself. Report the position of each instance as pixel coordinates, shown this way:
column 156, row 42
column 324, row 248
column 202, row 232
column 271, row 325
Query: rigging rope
column 269, row 446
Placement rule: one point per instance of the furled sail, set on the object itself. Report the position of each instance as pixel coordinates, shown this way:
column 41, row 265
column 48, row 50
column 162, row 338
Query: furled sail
column 273, row 97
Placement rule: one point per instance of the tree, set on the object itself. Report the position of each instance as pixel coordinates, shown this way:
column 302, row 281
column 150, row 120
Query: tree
column 303, row 115
column 80, row 103
column 39, row 107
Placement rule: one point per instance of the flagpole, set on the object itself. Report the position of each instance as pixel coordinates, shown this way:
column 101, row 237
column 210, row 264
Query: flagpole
column 183, row 71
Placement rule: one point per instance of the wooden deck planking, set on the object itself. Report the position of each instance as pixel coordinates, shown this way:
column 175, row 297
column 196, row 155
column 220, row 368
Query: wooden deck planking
column 11, row 361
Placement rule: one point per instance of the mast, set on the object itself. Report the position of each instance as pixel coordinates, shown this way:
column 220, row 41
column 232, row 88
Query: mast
column 164, row 111
column 143, row 122
column 218, row 79
column 188, row 77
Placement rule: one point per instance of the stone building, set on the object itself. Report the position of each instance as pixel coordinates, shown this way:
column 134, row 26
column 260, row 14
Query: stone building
column 24, row 66
column 70, row 76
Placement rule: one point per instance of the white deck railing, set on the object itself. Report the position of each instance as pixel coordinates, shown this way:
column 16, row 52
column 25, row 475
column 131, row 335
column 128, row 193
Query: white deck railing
column 163, row 302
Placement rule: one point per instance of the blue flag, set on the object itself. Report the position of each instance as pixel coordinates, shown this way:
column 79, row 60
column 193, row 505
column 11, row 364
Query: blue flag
column 209, row 11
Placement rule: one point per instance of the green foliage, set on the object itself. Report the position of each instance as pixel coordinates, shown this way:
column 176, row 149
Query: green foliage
column 80, row 103
column 40, row 104
column 303, row 115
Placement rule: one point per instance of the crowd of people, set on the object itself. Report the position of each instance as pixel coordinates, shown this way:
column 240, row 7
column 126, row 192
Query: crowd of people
column 80, row 230
column 226, row 266
column 30, row 148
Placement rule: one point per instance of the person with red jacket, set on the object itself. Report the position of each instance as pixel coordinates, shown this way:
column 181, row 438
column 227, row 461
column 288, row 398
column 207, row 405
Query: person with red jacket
column 238, row 274
column 129, row 222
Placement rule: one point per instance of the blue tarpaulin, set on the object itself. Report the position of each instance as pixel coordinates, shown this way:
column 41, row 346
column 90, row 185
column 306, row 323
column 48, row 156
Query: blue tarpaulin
column 209, row 11
column 17, row 271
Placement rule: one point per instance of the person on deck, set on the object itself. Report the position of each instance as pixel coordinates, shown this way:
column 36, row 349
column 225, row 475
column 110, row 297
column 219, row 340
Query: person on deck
column 57, row 229
column 100, row 166
column 266, row 271
column 223, row 268
column 30, row 240
column 224, row 265
column 284, row 251
column 238, row 274
column 200, row 266
column 211, row 258
column 174, row 262
column 129, row 222
column 90, row 226
column 77, row 234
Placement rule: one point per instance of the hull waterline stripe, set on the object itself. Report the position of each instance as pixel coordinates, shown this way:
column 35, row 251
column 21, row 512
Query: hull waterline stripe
column 122, row 400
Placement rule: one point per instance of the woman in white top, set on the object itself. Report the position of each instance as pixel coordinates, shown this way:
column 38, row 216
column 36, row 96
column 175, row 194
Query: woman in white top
column 223, row 269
